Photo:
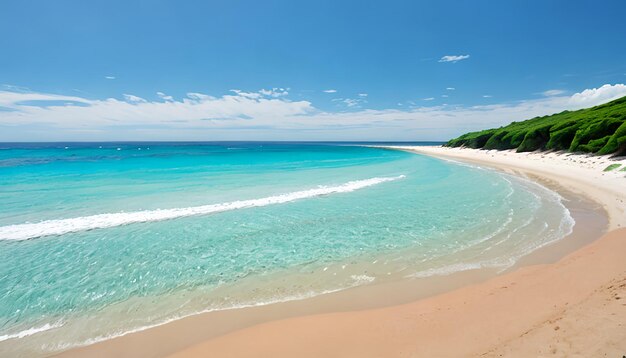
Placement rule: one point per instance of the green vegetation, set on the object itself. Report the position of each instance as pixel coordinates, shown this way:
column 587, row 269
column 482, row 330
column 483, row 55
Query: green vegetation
column 612, row 167
column 600, row 130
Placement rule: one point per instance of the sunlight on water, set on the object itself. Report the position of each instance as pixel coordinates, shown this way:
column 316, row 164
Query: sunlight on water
column 96, row 242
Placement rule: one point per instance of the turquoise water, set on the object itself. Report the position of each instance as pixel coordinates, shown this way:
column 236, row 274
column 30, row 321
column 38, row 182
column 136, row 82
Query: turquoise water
column 101, row 239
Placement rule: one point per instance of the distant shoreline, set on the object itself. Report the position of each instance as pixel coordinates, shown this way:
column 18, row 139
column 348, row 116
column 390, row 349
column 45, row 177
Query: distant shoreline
column 427, row 142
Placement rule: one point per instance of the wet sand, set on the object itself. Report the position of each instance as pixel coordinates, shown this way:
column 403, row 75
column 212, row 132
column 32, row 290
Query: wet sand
column 573, row 307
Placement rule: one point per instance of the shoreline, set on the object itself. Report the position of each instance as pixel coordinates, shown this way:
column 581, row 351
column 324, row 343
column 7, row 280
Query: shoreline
column 571, row 308
column 582, row 174
column 323, row 305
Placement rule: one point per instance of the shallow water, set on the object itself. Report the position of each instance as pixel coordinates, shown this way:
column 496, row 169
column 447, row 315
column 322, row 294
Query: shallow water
column 101, row 239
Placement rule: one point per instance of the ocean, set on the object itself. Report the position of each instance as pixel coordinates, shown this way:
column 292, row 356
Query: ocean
column 101, row 239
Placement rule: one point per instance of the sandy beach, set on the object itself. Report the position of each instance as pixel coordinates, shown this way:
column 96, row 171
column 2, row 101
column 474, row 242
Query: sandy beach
column 312, row 179
column 571, row 307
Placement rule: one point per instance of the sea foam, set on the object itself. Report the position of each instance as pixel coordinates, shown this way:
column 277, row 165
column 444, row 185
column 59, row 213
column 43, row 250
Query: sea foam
column 30, row 331
column 101, row 221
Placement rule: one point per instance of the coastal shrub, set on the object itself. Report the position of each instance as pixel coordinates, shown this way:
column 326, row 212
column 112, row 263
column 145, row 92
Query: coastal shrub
column 594, row 145
column 473, row 139
column 497, row 141
column 595, row 130
column 561, row 136
column 600, row 129
column 480, row 140
column 535, row 139
column 514, row 139
column 617, row 143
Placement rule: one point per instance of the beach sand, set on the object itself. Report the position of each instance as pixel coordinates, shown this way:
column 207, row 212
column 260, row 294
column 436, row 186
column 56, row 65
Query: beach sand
column 575, row 306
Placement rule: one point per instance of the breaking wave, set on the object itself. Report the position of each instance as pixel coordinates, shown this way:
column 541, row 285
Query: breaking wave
column 101, row 221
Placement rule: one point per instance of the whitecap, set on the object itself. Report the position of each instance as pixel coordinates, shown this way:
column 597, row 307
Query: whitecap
column 63, row 226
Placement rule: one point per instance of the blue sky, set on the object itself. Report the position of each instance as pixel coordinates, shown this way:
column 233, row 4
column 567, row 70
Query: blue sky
column 358, row 70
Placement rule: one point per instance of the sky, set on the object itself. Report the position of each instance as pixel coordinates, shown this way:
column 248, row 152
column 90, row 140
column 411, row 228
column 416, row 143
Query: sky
column 300, row 70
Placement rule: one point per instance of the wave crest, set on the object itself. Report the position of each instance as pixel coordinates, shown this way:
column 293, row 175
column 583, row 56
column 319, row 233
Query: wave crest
column 101, row 221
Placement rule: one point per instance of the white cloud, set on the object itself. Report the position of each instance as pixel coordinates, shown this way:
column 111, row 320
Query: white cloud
column 241, row 93
column 444, row 95
column 274, row 92
column 13, row 100
column 362, row 94
column 453, row 58
column 330, row 91
column 428, row 99
column 450, row 88
column 199, row 96
column 109, row 77
column 14, row 88
column 487, row 96
column 350, row 102
column 241, row 116
column 553, row 92
column 595, row 96
column 133, row 99
column 165, row 97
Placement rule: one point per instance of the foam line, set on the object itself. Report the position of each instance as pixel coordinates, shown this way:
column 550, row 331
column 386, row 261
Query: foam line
column 30, row 331
column 101, row 221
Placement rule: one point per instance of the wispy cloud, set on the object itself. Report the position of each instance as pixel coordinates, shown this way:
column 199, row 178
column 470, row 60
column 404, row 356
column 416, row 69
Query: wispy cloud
column 330, row 91
column 165, row 97
column 350, row 102
column 25, row 100
column 253, row 95
column 362, row 94
column 109, row 77
column 14, row 88
column 428, row 99
column 487, row 96
column 450, row 88
column 275, row 92
column 252, row 115
column 454, row 58
column 133, row 99
column 553, row 92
